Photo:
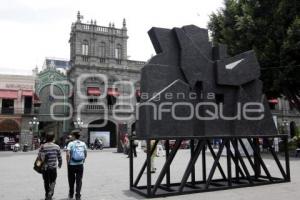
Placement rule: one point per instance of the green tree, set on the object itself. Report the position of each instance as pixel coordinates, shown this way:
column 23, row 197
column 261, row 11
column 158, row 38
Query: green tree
column 272, row 29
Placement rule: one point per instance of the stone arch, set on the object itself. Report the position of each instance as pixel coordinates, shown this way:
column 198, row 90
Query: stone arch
column 47, row 99
column 100, row 118
column 48, row 84
column 10, row 126
column 108, row 131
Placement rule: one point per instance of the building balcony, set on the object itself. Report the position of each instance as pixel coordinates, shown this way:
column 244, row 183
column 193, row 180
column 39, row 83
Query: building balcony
column 135, row 62
column 108, row 63
column 102, row 60
column 89, row 60
column 99, row 29
column 16, row 111
column 28, row 110
column 94, row 108
column 7, row 111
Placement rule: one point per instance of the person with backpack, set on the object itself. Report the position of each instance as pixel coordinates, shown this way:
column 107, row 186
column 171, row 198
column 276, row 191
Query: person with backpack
column 50, row 154
column 76, row 155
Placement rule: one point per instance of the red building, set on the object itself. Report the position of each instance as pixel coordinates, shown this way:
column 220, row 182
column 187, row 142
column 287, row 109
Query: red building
column 16, row 109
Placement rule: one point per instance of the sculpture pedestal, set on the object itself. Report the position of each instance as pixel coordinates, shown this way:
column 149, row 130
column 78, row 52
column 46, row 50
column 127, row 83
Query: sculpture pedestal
column 239, row 171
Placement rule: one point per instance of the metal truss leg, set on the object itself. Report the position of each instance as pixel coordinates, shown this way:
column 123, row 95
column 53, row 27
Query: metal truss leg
column 144, row 166
column 229, row 175
column 216, row 163
column 247, row 154
column 131, row 164
column 204, row 164
column 234, row 142
column 191, row 165
column 287, row 159
column 259, row 159
column 237, row 166
column 168, row 173
column 276, row 160
column 215, row 157
column 239, row 158
column 255, row 146
column 193, row 173
column 166, row 165
column 149, row 168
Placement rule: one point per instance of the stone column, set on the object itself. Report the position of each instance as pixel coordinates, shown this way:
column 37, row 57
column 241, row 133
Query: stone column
column 84, row 135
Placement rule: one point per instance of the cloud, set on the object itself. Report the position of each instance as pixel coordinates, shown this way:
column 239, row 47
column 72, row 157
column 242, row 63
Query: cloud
column 34, row 29
column 31, row 12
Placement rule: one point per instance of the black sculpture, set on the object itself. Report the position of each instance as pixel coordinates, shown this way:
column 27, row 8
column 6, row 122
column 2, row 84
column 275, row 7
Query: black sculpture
column 187, row 63
column 192, row 90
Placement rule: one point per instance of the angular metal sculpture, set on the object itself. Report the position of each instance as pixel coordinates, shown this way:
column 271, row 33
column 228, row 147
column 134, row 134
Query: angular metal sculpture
column 194, row 91
column 192, row 71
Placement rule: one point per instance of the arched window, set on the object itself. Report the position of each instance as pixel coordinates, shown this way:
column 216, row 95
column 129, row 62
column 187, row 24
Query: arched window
column 118, row 52
column 102, row 50
column 85, row 48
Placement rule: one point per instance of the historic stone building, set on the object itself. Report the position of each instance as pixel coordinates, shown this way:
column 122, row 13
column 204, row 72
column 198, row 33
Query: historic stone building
column 287, row 117
column 53, row 94
column 96, row 51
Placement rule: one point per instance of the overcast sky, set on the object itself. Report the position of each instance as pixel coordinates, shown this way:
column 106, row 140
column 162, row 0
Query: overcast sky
column 34, row 29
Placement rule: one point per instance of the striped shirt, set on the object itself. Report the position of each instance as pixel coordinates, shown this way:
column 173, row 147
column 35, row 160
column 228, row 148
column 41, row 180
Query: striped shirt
column 51, row 152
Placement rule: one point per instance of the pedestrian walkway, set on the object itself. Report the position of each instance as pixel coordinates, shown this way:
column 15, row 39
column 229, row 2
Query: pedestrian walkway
column 107, row 178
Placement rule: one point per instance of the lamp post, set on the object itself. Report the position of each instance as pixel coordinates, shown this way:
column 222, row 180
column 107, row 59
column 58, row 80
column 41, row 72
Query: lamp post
column 78, row 123
column 34, row 125
column 285, row 125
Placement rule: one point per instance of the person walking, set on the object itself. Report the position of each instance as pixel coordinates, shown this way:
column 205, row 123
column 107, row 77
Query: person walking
column 50, row 154
column 68, row 140
column 134, row 146
column 153, row 155
column 76, row 155
column 126, row 145
column 133, row 149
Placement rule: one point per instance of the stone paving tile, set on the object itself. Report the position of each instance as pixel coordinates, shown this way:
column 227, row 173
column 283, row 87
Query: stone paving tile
column 106, row 178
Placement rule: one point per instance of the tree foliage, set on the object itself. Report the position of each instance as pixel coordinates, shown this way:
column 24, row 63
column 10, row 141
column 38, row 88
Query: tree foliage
column 272, row 29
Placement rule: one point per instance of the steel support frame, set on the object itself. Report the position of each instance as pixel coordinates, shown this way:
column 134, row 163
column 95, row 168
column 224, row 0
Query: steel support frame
column 236, row 174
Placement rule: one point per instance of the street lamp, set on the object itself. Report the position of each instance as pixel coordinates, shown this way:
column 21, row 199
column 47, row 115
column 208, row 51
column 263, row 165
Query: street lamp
column 78, row 123
column 34, row 124
column 285, row 125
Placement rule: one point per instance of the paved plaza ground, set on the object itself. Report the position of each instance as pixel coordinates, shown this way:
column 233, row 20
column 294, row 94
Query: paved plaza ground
column 107, row 177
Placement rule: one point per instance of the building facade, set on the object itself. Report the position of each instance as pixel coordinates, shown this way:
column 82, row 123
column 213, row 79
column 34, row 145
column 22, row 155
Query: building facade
column 286, row 116
column 101, row 76
column 53, row 94
column 16, row 109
